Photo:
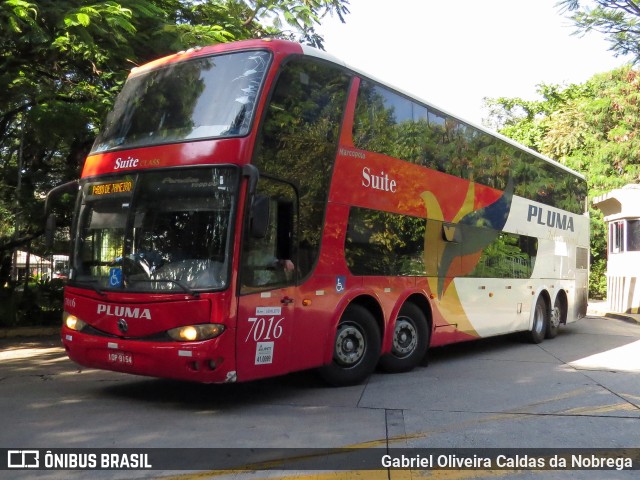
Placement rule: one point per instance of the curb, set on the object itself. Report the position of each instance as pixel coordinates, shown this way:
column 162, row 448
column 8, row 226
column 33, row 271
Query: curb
column 625, row 317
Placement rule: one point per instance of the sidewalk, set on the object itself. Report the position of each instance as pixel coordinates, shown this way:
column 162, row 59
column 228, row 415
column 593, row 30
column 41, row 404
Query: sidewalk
column 15, row 332
column 598, row 308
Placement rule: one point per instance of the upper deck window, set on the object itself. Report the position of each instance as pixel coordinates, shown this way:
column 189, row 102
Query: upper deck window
column 208, row 97
column 390, row 123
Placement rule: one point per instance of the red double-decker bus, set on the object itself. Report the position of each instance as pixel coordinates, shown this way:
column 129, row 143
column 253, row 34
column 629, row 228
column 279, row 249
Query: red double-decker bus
column 257, row 208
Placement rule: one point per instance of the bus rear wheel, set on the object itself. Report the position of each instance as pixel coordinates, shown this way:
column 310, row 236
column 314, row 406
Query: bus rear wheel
column 558, row 316
column 410, row 340
column 356, row 348
column 540, row 322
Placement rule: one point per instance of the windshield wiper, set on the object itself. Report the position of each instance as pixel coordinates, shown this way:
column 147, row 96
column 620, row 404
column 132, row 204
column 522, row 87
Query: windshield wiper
column 93, row 284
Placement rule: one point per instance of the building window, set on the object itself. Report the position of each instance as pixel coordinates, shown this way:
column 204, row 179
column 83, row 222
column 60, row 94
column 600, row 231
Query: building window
column 616, row 237
column 633, row 235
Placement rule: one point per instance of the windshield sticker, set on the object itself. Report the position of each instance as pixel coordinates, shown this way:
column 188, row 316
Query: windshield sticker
column 268, row 310
column 115, row 277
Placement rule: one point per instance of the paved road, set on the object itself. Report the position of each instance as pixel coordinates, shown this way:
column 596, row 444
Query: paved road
column 581, row 389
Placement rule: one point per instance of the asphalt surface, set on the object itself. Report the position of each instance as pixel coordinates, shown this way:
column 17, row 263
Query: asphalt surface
column 579, row 390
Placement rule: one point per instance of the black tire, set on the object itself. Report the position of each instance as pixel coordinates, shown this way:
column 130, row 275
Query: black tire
column 558, row 316
column 540, row 322
column 410, row 340
column 356, row 348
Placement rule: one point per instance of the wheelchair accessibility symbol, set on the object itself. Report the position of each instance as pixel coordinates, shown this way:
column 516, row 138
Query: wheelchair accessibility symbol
column 341, row 284
column 115, row 277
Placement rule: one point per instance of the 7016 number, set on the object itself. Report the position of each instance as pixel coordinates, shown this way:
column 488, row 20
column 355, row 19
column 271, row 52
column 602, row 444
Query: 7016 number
column 265, row 329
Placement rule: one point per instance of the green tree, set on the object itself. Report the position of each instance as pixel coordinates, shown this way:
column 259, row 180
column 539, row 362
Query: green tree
column 63, row 62
column 619, row 20
column 592, row 128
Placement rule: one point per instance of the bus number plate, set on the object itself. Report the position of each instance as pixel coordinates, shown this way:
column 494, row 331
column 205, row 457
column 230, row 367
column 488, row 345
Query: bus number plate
column 121, row 358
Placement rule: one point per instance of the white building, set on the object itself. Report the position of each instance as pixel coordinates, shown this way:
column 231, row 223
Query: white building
column 46, row 268
column 621, row 208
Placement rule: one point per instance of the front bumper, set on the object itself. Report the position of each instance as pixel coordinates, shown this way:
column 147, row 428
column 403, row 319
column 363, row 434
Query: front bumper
column 208, row 361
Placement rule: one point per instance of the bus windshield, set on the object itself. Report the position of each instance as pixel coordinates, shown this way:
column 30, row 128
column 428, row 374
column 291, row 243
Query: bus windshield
column 156, row 231
column 201, row 98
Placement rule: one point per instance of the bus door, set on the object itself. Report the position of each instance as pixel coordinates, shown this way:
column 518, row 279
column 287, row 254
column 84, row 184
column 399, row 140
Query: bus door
column 266, row 305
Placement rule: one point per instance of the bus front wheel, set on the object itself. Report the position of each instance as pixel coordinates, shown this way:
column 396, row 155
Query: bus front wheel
column 540, row 322
column 410, row 340
column 356, row 348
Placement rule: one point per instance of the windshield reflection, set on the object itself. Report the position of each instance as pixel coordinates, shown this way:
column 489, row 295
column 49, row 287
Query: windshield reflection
column 200, row 98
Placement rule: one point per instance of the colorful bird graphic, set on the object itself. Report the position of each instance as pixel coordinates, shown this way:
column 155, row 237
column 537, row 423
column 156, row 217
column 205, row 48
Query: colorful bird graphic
column 462, row 240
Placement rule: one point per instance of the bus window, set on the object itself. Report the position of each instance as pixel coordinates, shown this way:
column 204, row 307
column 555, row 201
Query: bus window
column 382, row 243
column 268, row 257
column 508, row 256
column 171, row 233
column 399, row 106
column 201, row 98
column 298, row 140
column 389, row 123
column 420, row 113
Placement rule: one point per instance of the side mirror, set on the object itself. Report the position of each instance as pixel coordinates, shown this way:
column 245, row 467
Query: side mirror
column 260, row 214
column 451, row 233
column 49, row 231
column 50, row 225
column 56, row 192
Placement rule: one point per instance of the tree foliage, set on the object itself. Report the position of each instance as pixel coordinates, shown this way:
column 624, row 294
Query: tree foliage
column 619, row 20
column 63, row 62
column 592, row 128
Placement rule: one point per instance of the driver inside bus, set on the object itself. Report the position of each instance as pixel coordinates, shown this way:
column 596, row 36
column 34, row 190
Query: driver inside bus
column 261, row 264
column 263, row 268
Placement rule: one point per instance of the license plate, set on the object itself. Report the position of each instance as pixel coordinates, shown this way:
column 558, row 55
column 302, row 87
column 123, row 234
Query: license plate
column 121, row 358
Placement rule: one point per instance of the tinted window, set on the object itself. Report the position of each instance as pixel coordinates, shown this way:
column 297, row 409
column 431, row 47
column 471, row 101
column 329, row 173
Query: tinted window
column 299, row 138
column 633, row 235
column 152, row 231
column 269, row 258
column 201, row 98
column 582, row 258
column 389, row 123
column 508, row 256
column 381, row 243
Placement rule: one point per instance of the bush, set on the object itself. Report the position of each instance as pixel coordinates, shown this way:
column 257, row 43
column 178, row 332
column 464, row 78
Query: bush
column 598, row 280
column 40, row 304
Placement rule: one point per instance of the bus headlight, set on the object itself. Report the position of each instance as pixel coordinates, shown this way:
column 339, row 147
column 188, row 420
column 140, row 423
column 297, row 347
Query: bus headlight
column 72, row 322
column 193, row 333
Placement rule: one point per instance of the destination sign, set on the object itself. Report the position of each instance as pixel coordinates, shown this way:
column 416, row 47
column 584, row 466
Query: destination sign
column 122, row 186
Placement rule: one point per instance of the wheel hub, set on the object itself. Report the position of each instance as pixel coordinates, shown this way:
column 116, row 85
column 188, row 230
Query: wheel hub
column 405, row 338
column 555, row 317
column 350, row 345
column 538, row 324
